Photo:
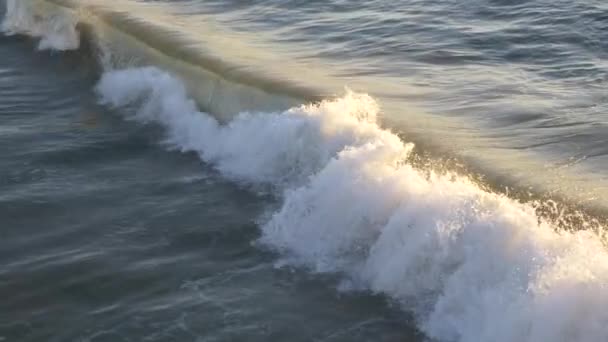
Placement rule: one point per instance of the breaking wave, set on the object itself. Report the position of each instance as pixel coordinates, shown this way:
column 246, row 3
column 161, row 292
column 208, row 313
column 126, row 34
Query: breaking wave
column 470, row 264
column 55, row 29
column 123, row 37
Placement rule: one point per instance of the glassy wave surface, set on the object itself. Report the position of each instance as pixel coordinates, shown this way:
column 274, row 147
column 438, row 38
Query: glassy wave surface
column 197, row 170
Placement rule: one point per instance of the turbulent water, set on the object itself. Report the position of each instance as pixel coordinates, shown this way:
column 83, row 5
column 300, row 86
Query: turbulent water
column 303, row 170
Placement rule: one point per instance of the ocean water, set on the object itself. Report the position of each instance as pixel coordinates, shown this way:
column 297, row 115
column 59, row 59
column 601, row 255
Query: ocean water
column 226, row 170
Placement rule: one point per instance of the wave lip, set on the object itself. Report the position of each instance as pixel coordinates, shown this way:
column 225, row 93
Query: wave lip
column 472, row 265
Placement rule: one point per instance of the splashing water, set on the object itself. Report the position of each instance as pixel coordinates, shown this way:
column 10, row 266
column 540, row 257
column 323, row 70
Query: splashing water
column 55, row 29
column 472, row 265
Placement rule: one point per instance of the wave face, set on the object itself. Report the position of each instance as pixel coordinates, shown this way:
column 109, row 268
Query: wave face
column 471, row 265
column 500, row 135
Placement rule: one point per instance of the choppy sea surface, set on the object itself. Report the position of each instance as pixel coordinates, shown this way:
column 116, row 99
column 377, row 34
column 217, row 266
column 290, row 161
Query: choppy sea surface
column 227, row 170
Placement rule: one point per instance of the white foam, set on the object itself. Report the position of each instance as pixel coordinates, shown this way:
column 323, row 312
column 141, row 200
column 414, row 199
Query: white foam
column 55, row 27
column 281, row 149
column 473, row 266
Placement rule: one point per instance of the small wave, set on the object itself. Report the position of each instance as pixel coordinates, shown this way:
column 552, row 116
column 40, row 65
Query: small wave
column 56, row 29
column 123, row 38
column 303, row 139
column 472, row 265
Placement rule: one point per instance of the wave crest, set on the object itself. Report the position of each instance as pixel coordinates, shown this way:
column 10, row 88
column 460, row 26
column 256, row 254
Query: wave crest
column 55, row 29
column 122, row 37
column 472, row 265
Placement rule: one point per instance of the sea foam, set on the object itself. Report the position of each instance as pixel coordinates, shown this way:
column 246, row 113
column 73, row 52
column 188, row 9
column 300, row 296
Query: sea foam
column 55, row 29
column 470, row 264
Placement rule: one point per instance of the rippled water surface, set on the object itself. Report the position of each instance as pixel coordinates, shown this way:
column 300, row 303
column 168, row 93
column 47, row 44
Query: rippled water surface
column 524, row 81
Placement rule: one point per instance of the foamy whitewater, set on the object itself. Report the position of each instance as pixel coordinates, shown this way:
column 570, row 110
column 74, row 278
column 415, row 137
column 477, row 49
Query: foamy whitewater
column 56, row 29
column 471, row 265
